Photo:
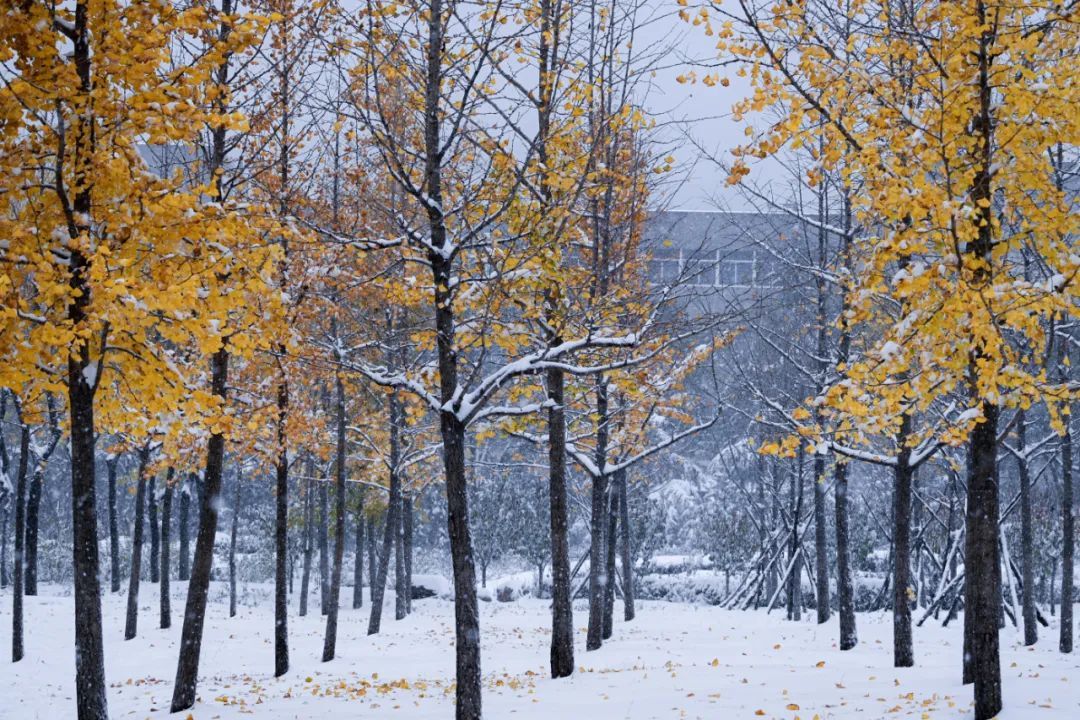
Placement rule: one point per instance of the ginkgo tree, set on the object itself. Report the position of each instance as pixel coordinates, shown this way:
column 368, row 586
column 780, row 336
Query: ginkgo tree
column 947, row 115
column 110, row 266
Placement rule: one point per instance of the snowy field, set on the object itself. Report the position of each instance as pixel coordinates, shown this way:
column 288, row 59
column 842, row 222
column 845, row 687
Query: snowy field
column 674, row 661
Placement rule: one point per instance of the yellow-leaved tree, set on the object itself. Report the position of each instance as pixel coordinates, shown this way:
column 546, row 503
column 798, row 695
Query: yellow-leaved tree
column 113, row 274
column 953, row 118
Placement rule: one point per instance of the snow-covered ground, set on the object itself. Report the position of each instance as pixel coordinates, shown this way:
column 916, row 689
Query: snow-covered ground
column 673, row 661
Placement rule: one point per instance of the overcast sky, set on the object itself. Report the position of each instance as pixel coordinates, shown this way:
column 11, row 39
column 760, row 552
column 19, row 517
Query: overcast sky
column 693, row 115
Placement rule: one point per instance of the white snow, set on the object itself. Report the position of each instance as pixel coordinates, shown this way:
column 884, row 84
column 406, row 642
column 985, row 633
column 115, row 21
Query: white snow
column 889, row 350
column 673, row 661
column 968, row 415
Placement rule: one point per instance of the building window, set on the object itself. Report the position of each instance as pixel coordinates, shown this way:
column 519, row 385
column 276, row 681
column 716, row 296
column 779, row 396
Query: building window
column 701, row 271
column 737, row 268
column 664, row 267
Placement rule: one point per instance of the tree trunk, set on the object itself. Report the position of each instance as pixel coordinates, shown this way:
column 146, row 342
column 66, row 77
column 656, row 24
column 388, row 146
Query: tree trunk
column 390, row 531
column 233, row 527
column 1053, row 588
column 184, row 570
column 281, row 538
column 845, row 593
column 821, row 543
column 407, row 541
column 609, row 564
column 330, row 641
column 166, row 521
column 89, row 652
column 1027, row 549
column 599, row 511
column 466, row 612
column 562, row 611
column 982, row 581
column 33, row 514
column 982, row 564
column 324, row 547
column 627, row 557
column 772, row 584
column 187, row 669
column 358, row 558
column 309, row 540
column 135, row 571
column 821, row 546
column 114, row 525
column 372, row 554
column 1068, row 548
column 400, row 591
column 152, row 512
column 17, row 649
column 3, row 542
column 794, row 589
column 903, row 653
column 82, row 379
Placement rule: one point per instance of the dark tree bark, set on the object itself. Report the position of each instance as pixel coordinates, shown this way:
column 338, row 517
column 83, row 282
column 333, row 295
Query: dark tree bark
column 389, row 532
column 17, row 649
column 982, row 581
column 390, row 527
column 330, row 642
column 599, row 512
column 407, row 541
column 358, row 558
column 1027, row 548
column 324, row 547
column 845, row 592
column 152, row 513
column 452, row 429
column 982, row 577
column 191, row 635
column 5, row 496
column 281, row 537
column 627, row 555
column 166, row 539
column 821, row 546
column 309, row 540
column 562, row 612
column 401, row 592
column 184, row 570
column 609, row 564
column 33, row 513
column 1053, row 586
column 372, row 554
column 137, row 539
column 794, row 581
column 466, row 611
column 1068, row 549
column 772, row 583
column 3, row 541
column 903, row 653
column 821, row 543
column 233, row 527
column 114, row 525
column 82, row 378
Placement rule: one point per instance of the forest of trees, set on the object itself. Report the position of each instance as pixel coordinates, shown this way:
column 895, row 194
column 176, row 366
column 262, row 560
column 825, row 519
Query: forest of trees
column 290, row 286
